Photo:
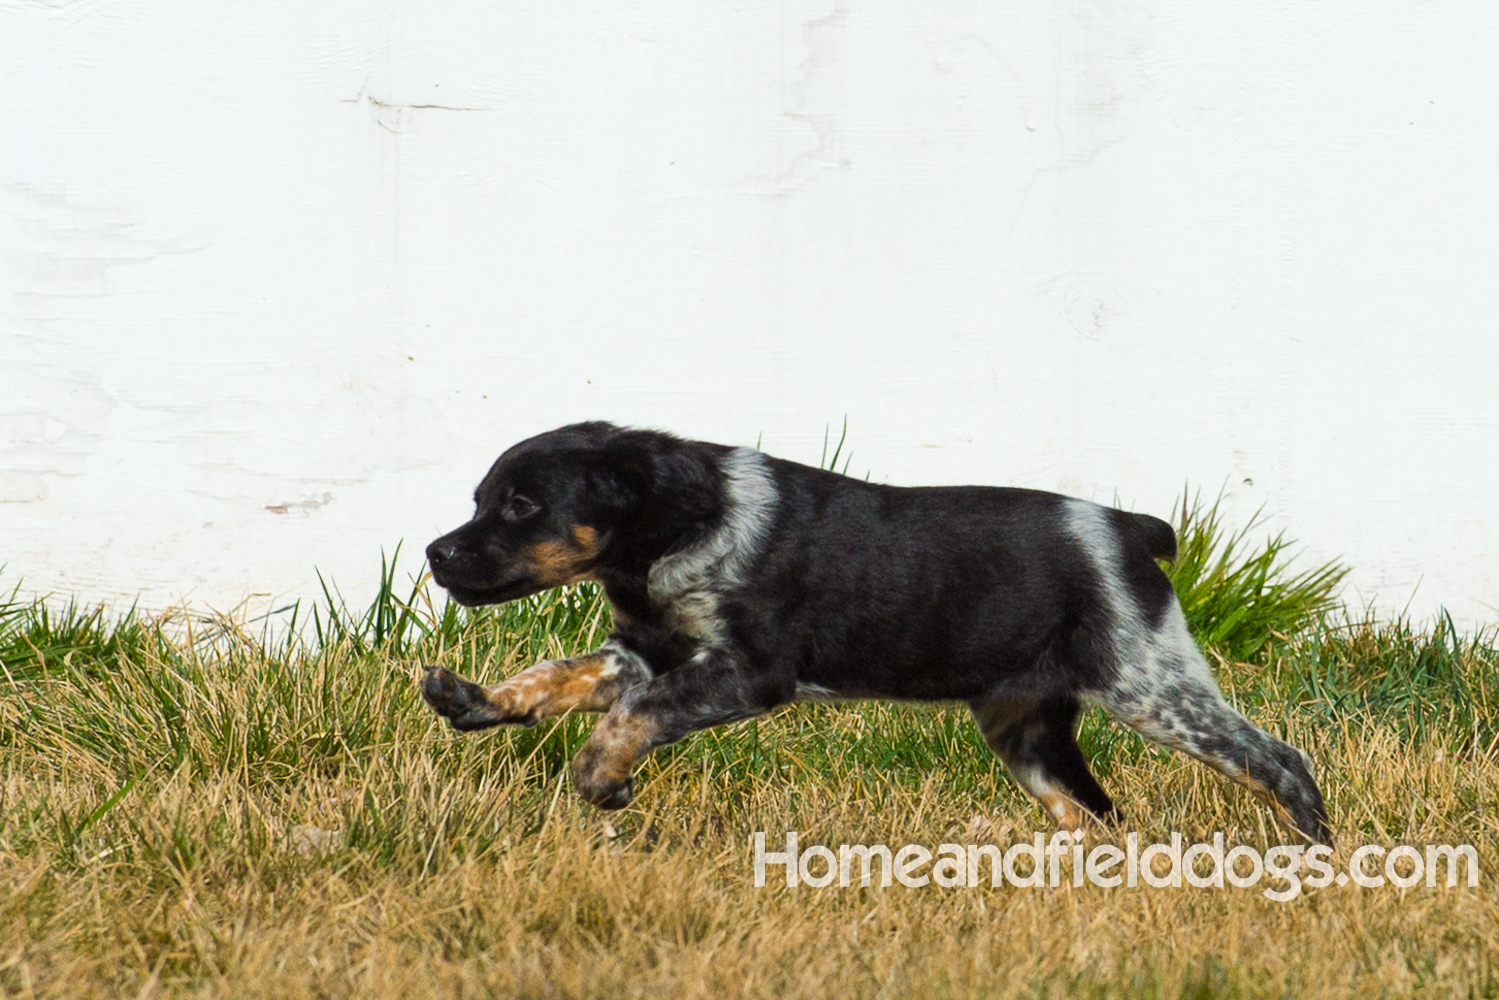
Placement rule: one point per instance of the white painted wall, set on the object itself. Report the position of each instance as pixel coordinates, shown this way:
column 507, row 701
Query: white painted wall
column 278, row 280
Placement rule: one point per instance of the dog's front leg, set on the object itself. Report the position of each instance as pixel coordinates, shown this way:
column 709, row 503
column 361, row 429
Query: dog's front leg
column 714, row 689
column 589, row 683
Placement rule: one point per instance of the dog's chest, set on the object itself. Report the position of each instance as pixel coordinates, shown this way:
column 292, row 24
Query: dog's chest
column 694, row 612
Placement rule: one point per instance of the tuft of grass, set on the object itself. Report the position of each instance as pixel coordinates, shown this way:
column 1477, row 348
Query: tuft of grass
column 34, row 634
column 1428, row 684
column 1239, row 597
column 830, row 462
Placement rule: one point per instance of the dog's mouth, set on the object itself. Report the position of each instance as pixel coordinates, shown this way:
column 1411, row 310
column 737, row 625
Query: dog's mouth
column 473, row 597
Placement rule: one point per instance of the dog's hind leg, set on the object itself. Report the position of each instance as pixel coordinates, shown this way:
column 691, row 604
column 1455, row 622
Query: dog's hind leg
column 1038, row 743
column 588, row 683
column 1166, row 693
column 1152, row 677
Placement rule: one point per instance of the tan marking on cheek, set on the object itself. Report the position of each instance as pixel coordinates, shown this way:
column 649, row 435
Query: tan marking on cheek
column 555, row 563
column 586, row 540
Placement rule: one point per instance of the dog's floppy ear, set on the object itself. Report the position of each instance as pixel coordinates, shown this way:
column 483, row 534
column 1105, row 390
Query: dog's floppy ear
column 620, row 476
column 609, row 489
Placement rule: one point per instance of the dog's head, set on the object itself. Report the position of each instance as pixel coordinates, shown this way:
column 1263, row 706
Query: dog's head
column 545, row 515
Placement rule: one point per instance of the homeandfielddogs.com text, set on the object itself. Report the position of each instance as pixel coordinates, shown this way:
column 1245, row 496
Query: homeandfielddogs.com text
column 1044, row 861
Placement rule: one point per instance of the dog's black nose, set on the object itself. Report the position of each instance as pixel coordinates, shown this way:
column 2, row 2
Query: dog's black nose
column 440, row 551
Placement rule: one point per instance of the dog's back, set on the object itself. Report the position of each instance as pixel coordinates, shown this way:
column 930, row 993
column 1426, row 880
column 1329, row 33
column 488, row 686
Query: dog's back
column 936, row 592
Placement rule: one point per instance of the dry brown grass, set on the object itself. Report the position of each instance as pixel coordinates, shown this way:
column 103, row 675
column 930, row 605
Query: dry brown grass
column 210, row 818
column 208, row 885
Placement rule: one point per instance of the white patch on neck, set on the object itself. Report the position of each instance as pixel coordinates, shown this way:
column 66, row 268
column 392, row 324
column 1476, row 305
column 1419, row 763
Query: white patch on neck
column 688, row 583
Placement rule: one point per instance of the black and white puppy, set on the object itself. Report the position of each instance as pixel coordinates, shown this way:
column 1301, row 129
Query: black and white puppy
column 741, row 582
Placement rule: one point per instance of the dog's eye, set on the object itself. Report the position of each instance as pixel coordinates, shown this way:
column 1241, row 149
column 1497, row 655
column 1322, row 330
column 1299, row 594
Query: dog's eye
column 519, row 508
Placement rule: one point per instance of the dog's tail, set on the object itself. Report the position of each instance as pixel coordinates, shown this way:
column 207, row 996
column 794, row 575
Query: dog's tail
column 1151, row 533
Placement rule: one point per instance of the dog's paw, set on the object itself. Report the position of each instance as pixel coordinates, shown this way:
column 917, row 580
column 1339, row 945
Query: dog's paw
column 463, row 703
column 599, row 783
column 610, row 797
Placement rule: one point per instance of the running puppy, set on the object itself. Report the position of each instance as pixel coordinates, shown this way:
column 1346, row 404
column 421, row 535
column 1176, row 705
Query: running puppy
column 741, row 582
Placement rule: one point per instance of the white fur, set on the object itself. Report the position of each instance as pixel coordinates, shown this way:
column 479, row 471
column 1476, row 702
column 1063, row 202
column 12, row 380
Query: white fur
column 689, row 583
column 621, row 660
column 815, row 692
column 1157, row 668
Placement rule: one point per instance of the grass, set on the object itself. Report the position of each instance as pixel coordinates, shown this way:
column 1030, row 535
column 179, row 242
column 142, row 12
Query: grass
column 220, row 807
column 1240, row 597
